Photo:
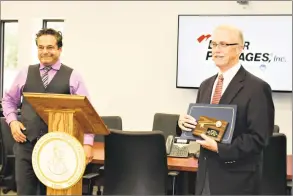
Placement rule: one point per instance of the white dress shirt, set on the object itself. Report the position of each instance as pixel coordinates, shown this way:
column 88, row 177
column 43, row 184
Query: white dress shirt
column 228, row 76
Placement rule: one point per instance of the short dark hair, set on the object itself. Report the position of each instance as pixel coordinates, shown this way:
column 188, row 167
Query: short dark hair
column 50, row 31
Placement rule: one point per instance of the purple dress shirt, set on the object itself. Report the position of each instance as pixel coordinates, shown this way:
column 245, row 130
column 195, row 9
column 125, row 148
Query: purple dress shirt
column 12, row 97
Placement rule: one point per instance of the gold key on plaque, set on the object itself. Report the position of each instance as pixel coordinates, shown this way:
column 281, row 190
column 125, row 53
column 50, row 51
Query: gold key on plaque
column 212, row 127
column 218, row 124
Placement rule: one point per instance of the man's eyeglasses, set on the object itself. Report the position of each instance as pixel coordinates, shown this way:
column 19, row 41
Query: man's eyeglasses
column 221, row 45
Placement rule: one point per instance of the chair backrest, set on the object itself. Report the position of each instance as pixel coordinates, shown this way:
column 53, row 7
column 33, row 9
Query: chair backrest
column 135, row 163
column 276, row 129
column 7, row 143
column 1, row 153
column 166, row 123
column 112, row 122
column 1, row 109
column 274, row 179
column 7, row 139
column 1, row 143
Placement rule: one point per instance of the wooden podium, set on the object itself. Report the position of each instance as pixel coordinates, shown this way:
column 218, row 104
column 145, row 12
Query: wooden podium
column 72, row 114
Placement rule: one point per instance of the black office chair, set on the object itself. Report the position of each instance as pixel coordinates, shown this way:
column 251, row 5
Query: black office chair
column 135, row 163
column 112, row 122
column 94, row 173
column 1, row 110
column 7, row 171
column 274, row 181
column 167, row 123
column 289, row 187
column 276, row 129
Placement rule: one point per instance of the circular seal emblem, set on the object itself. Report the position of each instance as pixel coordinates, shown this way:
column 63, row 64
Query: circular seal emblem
column 218, row 124
column 58, row 160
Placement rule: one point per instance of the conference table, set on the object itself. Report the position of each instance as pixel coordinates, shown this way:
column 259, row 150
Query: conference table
column 177, row 164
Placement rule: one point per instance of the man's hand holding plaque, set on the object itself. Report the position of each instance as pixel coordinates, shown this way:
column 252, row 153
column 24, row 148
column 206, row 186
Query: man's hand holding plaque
column 186, row 122
column 211, row 127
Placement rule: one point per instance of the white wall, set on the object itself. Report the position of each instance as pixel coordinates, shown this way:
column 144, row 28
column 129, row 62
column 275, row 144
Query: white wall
column 127, row 52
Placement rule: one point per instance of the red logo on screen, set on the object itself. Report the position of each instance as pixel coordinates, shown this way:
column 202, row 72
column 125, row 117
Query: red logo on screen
column 202, row 37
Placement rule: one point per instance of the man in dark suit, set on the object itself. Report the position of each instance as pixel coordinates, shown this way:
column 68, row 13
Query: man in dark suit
column 236, row 168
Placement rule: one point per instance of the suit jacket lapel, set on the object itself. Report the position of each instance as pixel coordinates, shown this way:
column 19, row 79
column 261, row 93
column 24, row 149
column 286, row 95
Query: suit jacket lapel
column 234, row 87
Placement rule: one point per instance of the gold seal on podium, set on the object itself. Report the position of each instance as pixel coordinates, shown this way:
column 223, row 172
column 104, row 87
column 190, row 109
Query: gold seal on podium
column 58, row 160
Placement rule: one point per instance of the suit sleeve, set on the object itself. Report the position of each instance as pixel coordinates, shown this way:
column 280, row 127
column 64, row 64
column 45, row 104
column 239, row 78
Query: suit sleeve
column 260, row 121
column 178, row 130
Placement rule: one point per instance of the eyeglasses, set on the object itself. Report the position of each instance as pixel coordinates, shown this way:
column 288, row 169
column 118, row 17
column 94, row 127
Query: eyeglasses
column 221, row 45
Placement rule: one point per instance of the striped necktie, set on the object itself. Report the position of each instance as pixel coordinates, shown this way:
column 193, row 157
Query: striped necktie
column 45, row 77
column 45, row 80
column 218, row 90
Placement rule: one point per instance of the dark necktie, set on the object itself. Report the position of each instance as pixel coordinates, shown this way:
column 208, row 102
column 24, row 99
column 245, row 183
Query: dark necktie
column 45, row 77
column 45, row 80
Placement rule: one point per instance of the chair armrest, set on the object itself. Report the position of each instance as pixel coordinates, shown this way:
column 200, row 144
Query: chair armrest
column 8, row 168
column 102, row 168
column 10, row 161
column 90, row 175
column 173, row 173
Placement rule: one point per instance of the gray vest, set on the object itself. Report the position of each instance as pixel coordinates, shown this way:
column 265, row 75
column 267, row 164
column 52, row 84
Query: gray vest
column 59, row 85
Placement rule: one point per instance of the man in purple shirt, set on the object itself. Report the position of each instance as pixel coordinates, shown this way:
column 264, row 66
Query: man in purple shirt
column 50, row 76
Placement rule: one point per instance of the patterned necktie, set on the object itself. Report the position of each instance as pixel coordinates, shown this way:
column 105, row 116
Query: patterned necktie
column 45, row 77
column 45, row 80
column 218, row 90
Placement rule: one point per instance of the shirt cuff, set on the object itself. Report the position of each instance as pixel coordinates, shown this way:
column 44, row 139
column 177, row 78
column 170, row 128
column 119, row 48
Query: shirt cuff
column 88, row 139
column 11, row 117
